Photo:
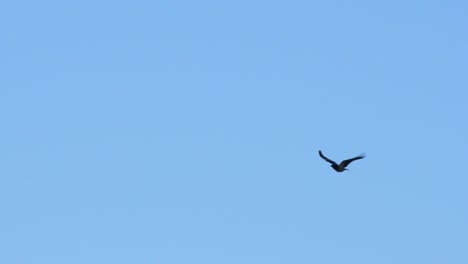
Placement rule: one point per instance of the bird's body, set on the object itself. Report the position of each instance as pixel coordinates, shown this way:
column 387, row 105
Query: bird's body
column 342, row 166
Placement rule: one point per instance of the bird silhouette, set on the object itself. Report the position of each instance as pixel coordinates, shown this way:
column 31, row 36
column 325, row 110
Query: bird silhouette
column 342, row 166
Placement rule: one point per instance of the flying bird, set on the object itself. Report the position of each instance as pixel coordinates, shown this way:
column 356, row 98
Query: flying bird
column 342, row 166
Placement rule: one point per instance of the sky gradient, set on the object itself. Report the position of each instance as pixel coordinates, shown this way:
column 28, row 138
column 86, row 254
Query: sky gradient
column 183, row 132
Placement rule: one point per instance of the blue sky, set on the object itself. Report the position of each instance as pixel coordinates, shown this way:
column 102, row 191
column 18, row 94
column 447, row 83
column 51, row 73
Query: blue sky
column 188, row 131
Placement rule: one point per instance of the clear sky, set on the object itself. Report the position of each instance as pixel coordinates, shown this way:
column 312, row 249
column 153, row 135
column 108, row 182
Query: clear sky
column 187, row 132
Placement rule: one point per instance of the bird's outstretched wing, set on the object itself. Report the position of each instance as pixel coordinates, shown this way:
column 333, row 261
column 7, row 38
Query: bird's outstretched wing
column 327, row 159
column 345, row 163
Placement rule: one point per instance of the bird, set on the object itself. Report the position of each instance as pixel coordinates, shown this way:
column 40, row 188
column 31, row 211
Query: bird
column 342, row 166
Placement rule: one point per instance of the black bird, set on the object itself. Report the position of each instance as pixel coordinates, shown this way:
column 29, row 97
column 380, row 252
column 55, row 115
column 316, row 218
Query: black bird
column 343, row 164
